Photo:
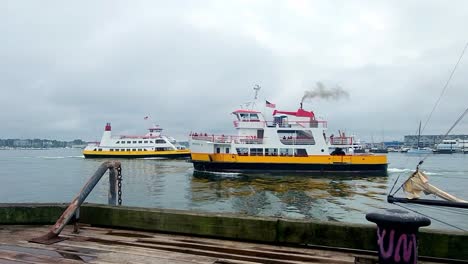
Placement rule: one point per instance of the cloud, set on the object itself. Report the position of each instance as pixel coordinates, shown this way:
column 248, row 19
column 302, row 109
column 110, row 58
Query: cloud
column 69, row 68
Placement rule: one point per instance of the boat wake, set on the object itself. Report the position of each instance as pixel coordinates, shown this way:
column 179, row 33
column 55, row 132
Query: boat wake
column 60, row 157
column 221, row 174
column 398, row 170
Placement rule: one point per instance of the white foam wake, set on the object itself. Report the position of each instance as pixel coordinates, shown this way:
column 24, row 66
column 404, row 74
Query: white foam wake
column 398, row 170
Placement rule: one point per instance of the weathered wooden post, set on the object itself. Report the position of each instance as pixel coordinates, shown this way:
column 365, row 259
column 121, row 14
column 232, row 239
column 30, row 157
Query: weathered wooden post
column 397, row 235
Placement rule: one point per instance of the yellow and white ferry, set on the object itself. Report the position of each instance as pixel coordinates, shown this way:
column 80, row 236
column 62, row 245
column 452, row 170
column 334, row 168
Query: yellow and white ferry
column 153, row 144
column 291, row 142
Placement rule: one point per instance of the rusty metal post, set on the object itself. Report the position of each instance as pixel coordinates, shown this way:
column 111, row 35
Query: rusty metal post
column 52, row 235
column 112, row 196
column 397, row 235
column 76, row 228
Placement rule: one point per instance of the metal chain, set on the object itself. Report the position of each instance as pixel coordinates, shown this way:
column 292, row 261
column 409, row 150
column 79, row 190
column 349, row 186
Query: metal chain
column 119, row 185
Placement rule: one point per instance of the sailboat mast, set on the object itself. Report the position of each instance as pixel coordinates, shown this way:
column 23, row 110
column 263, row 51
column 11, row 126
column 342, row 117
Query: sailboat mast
column 419, row 133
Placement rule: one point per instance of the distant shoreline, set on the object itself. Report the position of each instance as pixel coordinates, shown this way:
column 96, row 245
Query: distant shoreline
column 25, row 148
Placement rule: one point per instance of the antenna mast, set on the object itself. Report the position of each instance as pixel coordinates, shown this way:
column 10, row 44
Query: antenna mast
column 256, row 88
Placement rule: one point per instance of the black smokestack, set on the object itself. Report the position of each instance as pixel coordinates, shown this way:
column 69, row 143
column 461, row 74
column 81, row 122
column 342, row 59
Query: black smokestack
column 320, row 91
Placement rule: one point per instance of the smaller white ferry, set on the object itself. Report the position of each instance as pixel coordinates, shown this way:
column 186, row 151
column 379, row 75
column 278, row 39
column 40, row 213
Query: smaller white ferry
column 449, row 146
column 153, row 144
column 349, row 144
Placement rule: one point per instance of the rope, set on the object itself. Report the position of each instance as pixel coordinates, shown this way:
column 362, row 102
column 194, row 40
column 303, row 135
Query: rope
column 432, row 111
column 451, row 128
column 445, row 86
column 435, row 219
column 427, row 155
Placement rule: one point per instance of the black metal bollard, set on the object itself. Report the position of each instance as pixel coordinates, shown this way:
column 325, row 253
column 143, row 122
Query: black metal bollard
column 397, row 235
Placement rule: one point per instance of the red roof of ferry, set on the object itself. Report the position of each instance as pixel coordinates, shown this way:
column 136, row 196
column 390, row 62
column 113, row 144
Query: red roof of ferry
column 245, row 111
column 300, row 113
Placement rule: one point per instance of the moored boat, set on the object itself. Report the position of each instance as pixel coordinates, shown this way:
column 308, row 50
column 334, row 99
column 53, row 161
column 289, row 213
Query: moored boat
column 151, row 145
column 293, row 141
column 448, row 146
column 420, row 150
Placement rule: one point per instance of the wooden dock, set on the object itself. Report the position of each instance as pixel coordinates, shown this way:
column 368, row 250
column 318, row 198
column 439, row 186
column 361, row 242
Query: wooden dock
column 103, row 245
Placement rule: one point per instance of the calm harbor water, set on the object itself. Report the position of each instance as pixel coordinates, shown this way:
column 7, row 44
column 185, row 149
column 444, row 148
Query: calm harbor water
column 56, row 175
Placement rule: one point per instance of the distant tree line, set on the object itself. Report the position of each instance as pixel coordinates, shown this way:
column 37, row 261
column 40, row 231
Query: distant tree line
column 40, row 143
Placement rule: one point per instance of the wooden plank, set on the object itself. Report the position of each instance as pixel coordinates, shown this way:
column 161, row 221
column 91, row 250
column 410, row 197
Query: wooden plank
column 30, row 258
column 180, row 244
column 107, row 245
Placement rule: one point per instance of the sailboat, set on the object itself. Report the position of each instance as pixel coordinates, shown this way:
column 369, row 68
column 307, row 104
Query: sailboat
column 418, row 183
column 419, row 150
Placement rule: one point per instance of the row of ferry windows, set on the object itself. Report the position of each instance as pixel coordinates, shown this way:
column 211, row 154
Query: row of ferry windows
column 157, row 149
column 158, row 141
column 268, row 152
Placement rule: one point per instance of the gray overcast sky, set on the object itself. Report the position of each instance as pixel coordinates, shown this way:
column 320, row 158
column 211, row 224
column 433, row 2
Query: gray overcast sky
column 69, row 67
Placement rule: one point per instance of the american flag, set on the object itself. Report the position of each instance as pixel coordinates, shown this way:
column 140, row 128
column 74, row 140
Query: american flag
column 268, row 104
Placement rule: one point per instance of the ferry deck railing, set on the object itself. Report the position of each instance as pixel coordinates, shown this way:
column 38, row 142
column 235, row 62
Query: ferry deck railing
column 341, row 140
column 72, row 211
column 227, row 139
column 283, row 124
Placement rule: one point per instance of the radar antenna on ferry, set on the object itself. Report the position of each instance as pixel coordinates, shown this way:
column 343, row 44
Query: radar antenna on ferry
column 256, row 88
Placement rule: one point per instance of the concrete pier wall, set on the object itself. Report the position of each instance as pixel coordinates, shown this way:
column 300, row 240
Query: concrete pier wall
column 228, row 226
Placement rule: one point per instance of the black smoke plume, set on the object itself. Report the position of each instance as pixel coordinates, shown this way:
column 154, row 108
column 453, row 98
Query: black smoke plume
column 320, row 91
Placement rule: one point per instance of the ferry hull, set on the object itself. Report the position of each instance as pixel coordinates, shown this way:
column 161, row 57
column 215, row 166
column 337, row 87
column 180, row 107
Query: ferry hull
column 369, row 169
column 444, row 151
column 137, row 154
column 166, row 156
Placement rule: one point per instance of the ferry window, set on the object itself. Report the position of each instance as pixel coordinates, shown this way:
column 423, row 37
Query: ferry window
column 128, row 149
column 256, row 152
column 227, row 150
column 242, row 151
column 296, row 137
column 100, row 149
column 286, row 152
column 254, row 117
column 133, row 149
column 160, row 149
column 111, row 149
column 151, row 141
column 139, row 149
column 160, row 141
column 300, row 152
column 117, row 142
column 117, row 149
column 244, row 117
column 271, row 152
column 218, row 150
column 140, row 141
column 94, row 149
column 128, row 142
column 134, row 141
column 146, row 141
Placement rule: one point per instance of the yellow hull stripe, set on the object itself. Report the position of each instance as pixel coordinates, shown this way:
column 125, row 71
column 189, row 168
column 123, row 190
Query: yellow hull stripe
column 136, row 153
column 316, row 159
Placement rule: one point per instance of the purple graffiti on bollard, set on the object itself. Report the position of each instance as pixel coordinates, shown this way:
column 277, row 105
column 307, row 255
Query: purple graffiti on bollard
column 404, row 246
column 397, row 235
